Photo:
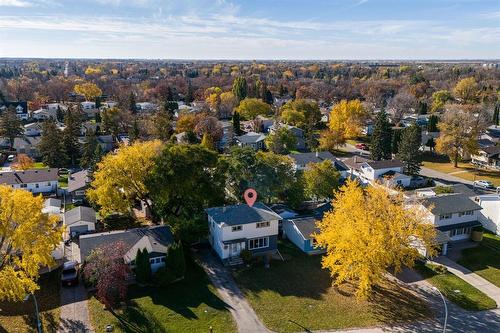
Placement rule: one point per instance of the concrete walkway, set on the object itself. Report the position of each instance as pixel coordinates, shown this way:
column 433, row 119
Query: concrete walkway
column 472, row 278
column 74, row 310
column 245, row 317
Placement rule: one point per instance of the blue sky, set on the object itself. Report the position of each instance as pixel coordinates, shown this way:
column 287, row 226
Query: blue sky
column 251, row 29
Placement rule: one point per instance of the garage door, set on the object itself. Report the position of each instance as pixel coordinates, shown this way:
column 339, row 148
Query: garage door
column 80, row 229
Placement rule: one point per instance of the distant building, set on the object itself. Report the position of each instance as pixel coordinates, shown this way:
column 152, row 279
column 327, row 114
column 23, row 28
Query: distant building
column 34, row 180
column 21, row 108
column 251, row 139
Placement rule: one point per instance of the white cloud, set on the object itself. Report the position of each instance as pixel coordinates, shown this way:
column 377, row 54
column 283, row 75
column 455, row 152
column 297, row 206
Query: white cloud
column 15, row 3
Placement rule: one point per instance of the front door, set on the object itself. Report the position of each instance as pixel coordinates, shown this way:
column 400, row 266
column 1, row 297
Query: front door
column 235, row 249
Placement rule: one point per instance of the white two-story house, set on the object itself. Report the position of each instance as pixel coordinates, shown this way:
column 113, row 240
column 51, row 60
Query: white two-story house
column 453, row 215
column 233, row 229
column 367, row 171
column 35, row 180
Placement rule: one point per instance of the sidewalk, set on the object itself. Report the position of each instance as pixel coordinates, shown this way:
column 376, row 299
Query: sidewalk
column 472, row 278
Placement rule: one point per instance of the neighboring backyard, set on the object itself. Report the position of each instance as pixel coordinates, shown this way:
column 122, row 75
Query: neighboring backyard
column 191, row 305
column 297, row 295
column 464, row 170
column 455, row 289
column 20, row 317
column 484, row 260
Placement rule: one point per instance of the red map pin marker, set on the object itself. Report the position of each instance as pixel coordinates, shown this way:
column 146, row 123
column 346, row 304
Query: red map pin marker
column 250, row 196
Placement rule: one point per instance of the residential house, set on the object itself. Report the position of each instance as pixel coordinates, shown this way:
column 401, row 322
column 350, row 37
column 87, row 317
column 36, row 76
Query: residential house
column 87, row 105
column 33, row 129
column 300, row 231
column 283, row 211
column 454, row 215
column 233, row 229
column 79, row 220
column 44, row 114
column 297, row 133
column 488, row 157
column 301, row 160
column 34, row 180
column 146, row 107
column 78, row 183
column 21, row 108
column 251, row 139
column 156, row 240
column 52, row 206
column 106, row 142
column 389, row 172
column 489, row 216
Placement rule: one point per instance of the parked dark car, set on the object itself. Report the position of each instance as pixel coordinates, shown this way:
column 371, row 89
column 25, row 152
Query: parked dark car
column 69, row 275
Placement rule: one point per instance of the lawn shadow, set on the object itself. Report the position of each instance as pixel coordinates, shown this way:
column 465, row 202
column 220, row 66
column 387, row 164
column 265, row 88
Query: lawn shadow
column 141, row 323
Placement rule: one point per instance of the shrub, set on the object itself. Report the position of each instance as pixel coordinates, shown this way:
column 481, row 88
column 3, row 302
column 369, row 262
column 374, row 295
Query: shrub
column 246, row 255
column 142, row 266
column 440, row 269
column 175, row 266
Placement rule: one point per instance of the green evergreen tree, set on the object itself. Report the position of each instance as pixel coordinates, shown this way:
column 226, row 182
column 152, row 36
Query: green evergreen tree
column 73, row 123
column 176, row 262
column 98, row 102
column 132, row 107
column 170, row 95
column 496, row 116
column 422, row 107
column 59, row 114
column 89, row 147
column 396, row 139
column 170, row 107
column 381, row 145
column 2, row 97
column 240, row 88
column 189, row 98
column 409, row 149
column 134, row 132
column 142, row 266
column 431, row 144
column 432, row 124
column 236, row 123
column 51, row 145
column 98, row 118
column 10, row 126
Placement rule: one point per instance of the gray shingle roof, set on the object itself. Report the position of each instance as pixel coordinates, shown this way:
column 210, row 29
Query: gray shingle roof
column 78, row 214
column 306, row 225
column 78, row 180
column 157, row 239
column 251, row 137
column 305, row 158
column 385, row 164
column 242, row 214
column 449, row 204
column 28, row 176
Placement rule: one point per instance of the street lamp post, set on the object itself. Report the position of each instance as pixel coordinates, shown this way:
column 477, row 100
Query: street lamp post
column 445, row 309
column 38, row 322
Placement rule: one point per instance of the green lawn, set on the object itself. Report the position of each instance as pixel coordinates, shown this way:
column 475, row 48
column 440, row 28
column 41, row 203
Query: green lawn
column 455, row 289
column 63, row 181
column 464, row 170
column 297, row 295
column 39, row 165
column 484, row 259
column 191, row 305
column 20, row 317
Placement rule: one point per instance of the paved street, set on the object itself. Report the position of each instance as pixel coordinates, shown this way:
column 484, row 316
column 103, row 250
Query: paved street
column 243, row 314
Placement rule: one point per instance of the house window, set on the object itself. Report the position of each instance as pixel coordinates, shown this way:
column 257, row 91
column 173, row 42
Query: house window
column 48, row 183
column 258, row 243
column 163, row 259
column 263, row 224
column 469, row 212
column 445, row 217
column 37, row 185
column 24, row 185
column 460, row 231
column 152, row 261
column 236, row 228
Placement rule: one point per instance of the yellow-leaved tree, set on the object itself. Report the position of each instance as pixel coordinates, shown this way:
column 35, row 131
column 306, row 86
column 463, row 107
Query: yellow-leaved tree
column 27, row 239
column 369, row 231
column 120, row 178
column 347, row 117
column 89, row 90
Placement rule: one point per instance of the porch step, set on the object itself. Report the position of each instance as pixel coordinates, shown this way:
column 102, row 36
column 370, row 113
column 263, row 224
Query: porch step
column 235, row 261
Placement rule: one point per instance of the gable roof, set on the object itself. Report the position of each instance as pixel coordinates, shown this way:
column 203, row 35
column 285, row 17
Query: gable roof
column 78, row 214
column 449, row 204
column 28, row 176
column 242, row 214
column 78, row 180
column 306, row 226
column 385, row 164
column 156, row 239
column 491, row 150
column 251, row 137
column 52, row 202
column 317, row 157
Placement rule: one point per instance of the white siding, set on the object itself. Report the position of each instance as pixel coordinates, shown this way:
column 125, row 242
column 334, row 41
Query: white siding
column 489, row 216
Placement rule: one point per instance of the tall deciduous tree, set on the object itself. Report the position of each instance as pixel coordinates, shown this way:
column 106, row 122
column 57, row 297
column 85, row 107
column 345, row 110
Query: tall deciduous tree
column 240, row 88
column 10, row 126
column 409, row 149
column 120, row 178
column 250, row 108
column 321, row 180
column 460, row 130
column 161, row 126
column 381, row 143
column 496, row 115
column 369, row 232
column 347, row 118
column 25, row 230
column 467, row 90
column 89, row 90
column 281, row 141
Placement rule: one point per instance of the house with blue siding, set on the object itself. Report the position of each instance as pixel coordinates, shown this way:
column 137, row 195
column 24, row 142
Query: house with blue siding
column 300, row 231
column 235, row 228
